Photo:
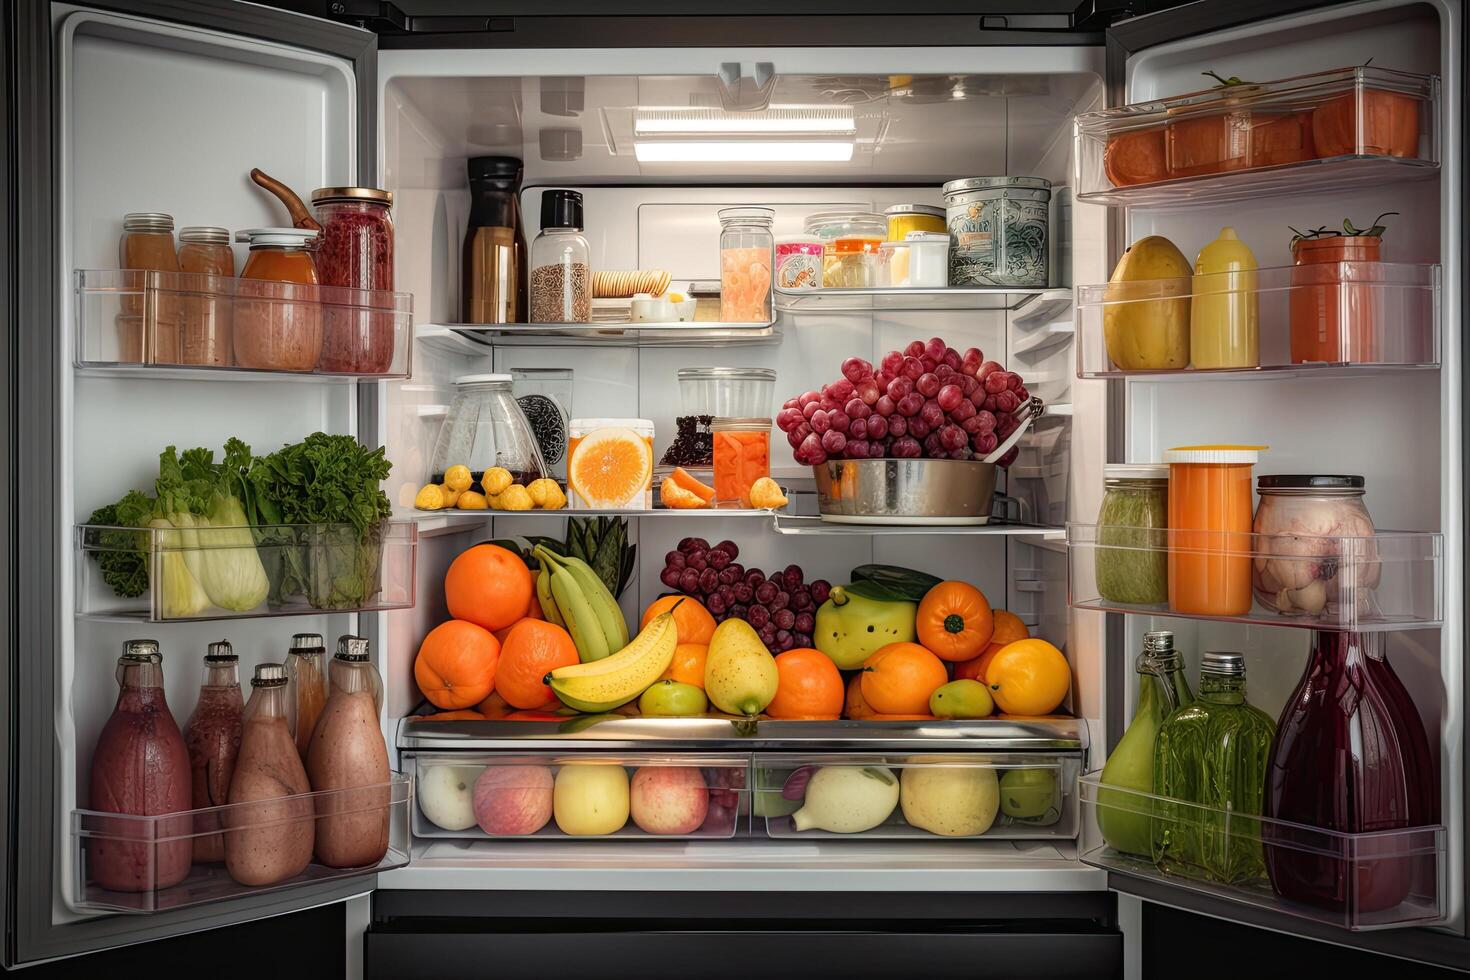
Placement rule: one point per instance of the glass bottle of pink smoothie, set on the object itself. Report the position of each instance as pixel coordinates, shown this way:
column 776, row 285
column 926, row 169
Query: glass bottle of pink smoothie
column 213, row 737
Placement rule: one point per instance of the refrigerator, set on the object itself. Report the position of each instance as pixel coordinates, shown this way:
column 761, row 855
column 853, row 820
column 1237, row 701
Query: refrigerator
column 159, row 105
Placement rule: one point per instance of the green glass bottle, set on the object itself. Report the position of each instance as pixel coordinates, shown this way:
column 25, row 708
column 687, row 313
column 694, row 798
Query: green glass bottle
column 1213, row 753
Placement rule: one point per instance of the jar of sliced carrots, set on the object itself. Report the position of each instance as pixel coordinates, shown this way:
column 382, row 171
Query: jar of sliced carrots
column 742, row 449
column 1211, row 498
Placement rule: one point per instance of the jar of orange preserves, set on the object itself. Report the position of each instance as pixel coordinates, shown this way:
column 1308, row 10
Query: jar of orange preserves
column 742, row 449
column 1211, row 499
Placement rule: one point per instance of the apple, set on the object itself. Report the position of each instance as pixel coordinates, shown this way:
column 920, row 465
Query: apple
column 672, row 699
column 591, row 799
column 446, row 796
column 513, row 801
column 669, row 799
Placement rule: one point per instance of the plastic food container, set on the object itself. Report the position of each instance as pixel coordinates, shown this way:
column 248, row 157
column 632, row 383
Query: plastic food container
column 610, row 464
column 920, row 260
column 1210, row 543
column 850, row 243
column 1132, row 519
column 746, row 257
column 998, row 230
column 742, row 456
column 1299, row 568
column 904, row 218
column 799, row 262
column 726, row 392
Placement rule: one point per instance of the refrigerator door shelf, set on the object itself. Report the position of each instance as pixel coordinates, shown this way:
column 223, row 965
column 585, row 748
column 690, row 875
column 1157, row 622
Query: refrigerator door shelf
column 479, row 339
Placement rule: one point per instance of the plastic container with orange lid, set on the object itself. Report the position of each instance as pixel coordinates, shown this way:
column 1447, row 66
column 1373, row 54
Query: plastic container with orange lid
column 1211, row 499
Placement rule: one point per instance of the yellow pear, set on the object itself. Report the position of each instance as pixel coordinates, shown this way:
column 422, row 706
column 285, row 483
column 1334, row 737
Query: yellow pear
column 740, row 674
column 1146, row 307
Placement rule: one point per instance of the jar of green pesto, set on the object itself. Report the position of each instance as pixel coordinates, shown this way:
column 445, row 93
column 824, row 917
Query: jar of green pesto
column 1132, row 556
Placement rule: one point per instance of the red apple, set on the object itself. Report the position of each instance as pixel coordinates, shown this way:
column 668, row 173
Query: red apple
column 513, row 800
column 669, row 799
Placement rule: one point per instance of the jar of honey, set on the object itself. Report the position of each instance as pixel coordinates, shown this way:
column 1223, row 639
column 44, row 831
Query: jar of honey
column 1211, row 499
column 742, row 449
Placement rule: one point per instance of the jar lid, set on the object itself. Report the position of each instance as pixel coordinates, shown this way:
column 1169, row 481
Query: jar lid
column 1214, row 454
column 994, row 183
column 220, row 652
column 279, row 237
column 561, row 208
column 1136, row 471
column 480, row 379
column 928, row 209
column 148, row 221
column 307, row 643
column 205, row 235
column 589, row 424
column 1283, row 481
column 853, row 219
column 815, row 240
column 740, row 425
column 372, row 195
column 745, row 214
column 353, row 649
column 1222, row 663
column 269, row 675
column 142, row 652
column 726, row 374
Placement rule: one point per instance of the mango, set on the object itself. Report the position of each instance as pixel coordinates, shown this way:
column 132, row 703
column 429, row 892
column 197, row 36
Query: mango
column 1146, row 323
column 850, row 627
column 961, row 699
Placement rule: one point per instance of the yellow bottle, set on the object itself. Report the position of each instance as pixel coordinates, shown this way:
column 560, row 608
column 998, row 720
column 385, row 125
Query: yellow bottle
column 1224, row 319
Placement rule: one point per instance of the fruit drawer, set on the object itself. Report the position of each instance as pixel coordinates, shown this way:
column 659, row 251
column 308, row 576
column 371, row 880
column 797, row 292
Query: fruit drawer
column 1241, row 140
column 897, row 796
column 124, row 863
column 573, row 796
column 1356, row 881
column 165, row 323
column 167, row 574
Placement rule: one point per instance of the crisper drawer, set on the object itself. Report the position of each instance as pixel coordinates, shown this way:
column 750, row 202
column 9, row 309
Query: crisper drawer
column 579, row 796
column 127, row 863
column 1363, row 881
column 929, row 796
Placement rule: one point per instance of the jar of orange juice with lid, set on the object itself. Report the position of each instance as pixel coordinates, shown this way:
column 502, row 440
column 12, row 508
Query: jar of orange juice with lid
column 610, row 464
column 742, row 450
column 1211, row 499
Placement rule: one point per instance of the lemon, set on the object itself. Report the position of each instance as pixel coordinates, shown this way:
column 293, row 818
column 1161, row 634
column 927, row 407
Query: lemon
column 431, row 497
column 469, row 500
column 516, row 497
column 451, row 495
column 495, row 480
column 458, row 478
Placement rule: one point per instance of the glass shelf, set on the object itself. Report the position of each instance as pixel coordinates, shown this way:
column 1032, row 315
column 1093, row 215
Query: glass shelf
column 170, row 575
column 1380, row 880
column 191, row 326
column 1388, row 581
column 791, row 524
column 1334, row 130
column 1315, row 319
column 907, row 299
column 467, row 338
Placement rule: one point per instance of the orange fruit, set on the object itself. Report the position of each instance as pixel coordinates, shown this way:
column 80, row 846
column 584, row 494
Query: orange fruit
column 455, row 666
column 899, row 677
column 954, row 621
column 692, row 621
column 488, row 586
column 676, row 497
column 854, row 708
column 610, row 467
column 684, row 481
column 688, row 664
column 809, row 686
column 533, row 649
column 1028, row 677
column 493, row 707
column 1008, row 629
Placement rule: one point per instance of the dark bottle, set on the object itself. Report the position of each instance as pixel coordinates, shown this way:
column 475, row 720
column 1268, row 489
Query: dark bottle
column 493, row 286
column 1350, row 755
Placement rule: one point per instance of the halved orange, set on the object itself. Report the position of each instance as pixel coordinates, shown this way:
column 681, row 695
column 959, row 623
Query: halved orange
column 684, row 481
column 676, row 497
column 610, row 468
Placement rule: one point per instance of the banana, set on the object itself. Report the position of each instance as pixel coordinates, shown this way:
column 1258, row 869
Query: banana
column 581, row 620
column 614, row 627
column 614, row 681
column 544, row 598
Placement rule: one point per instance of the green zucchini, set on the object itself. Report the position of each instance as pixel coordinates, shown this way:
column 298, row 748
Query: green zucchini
column 906, row 583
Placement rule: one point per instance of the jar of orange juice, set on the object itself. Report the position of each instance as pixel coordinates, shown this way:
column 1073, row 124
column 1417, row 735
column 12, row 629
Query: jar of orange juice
column 1211, row 498
column 610, row 464
column 742, row 456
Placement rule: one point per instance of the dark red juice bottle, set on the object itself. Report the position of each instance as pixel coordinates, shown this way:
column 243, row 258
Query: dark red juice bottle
column 1350, row 755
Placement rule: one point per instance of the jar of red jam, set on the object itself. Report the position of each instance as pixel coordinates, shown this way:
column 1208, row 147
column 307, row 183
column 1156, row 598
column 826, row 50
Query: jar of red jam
column 355, row 252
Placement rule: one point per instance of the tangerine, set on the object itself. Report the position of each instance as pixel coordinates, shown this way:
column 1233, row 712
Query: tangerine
column 688, row 664
column 1029, row 677
column 533, row 649
column 676, row 497
column 488, row 586
column 854, row 708
column 455, row 666
column 610, row 467
column 692, row 622
column 808, row 686
column 899, row 677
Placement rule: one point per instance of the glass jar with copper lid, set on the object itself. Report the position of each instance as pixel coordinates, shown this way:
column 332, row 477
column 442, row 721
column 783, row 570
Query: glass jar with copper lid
column 356, row 252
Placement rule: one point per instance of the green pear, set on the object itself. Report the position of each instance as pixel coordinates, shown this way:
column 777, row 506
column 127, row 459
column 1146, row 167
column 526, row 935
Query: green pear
column 672, row 699
column 740, row 675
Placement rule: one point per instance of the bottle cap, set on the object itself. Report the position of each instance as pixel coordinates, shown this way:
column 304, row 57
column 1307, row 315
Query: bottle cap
column 353, row 649
column 494, row 168
column 1222, row 664
column 142, row 652
column 561, row 208
column 308, row 643
column 1229, row 455
column 1158, row 641
column 269, row 675
column 221, row 652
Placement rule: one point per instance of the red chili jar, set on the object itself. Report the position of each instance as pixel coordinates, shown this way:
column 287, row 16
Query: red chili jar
column 355, row 252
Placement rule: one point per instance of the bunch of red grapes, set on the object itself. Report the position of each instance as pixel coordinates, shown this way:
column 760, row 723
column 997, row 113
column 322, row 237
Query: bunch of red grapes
column 925, row 400
column 781, row 607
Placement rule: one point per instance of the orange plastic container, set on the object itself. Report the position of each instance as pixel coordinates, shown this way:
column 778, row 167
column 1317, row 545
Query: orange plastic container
column 742, row 456
column 1332, row 320
column 1211, row 498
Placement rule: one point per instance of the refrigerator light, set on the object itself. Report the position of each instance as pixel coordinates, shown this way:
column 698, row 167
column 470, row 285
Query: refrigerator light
column 776, row 120
column 743, row 151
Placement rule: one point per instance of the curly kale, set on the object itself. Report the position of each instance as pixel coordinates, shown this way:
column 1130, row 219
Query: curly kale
column 122, row 556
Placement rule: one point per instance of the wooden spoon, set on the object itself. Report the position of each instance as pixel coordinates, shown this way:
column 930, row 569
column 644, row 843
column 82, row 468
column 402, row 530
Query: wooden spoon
column 300, row 214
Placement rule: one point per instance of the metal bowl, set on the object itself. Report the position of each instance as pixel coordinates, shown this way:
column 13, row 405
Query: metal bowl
column 905, row 491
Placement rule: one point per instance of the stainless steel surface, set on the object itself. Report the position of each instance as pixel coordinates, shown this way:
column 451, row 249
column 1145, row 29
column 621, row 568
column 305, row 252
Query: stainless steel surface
column 717, row 732
column 933, row 490
column 1028, row 411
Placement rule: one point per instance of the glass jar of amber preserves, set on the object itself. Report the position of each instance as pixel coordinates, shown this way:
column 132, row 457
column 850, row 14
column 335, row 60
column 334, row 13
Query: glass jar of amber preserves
column 278, row 316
